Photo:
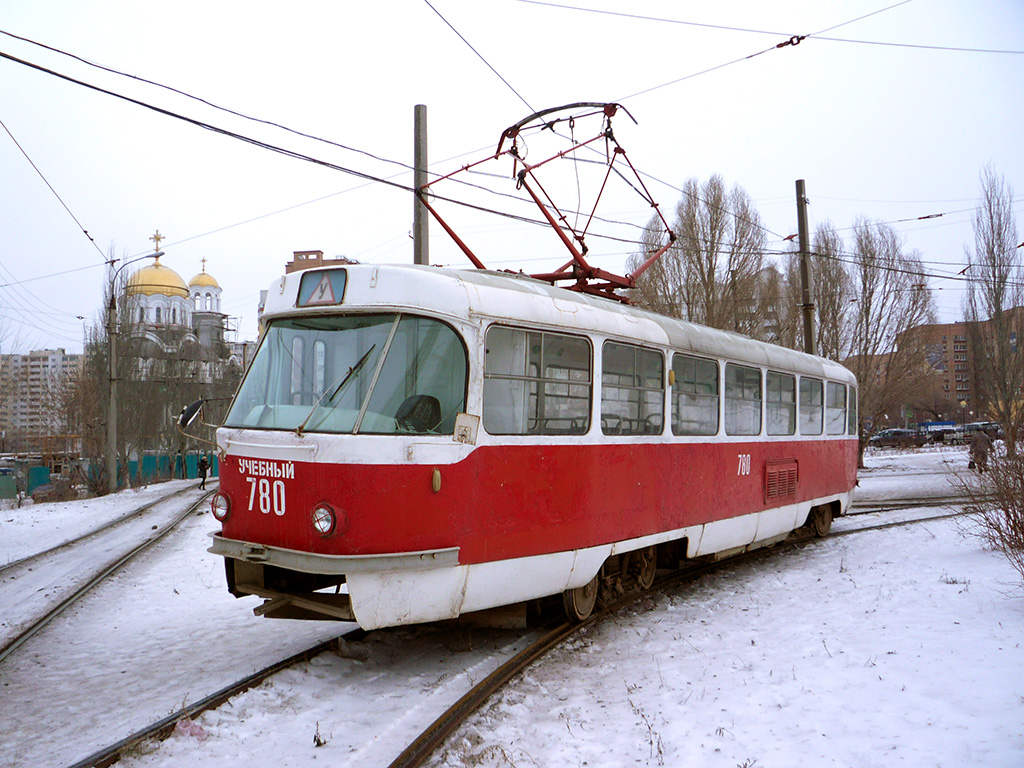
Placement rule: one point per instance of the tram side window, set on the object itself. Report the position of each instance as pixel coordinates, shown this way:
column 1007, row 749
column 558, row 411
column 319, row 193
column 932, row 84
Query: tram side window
column 694, row 396
column 851, row 413
column 781, row 407
column 835, row 408
column 810, row 406
column 632, row 390
column 742, row 400
column 536, row 383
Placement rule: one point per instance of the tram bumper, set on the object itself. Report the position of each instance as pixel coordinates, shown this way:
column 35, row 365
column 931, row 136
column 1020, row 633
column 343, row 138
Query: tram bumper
column 379, row 590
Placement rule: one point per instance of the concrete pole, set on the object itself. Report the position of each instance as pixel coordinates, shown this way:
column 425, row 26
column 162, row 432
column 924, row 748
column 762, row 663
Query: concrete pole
column 806, row 293
column 112, row 360
column 421, row 251
column 112, row 393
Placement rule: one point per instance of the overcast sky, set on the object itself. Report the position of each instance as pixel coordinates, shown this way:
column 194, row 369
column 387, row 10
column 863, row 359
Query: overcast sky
column 882, row 120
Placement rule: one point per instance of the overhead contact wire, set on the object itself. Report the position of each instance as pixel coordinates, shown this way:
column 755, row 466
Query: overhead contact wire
column 55, row 193
column 480, row 56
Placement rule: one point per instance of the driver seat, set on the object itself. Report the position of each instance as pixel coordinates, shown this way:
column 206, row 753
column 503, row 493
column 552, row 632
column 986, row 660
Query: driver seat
column 419, row 413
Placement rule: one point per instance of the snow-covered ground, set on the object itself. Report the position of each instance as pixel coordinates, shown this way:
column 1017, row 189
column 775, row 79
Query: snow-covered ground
column 27, row 529
column 900, row 646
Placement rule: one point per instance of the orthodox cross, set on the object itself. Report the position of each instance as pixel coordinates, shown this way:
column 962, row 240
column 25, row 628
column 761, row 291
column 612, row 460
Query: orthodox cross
column 156, row 238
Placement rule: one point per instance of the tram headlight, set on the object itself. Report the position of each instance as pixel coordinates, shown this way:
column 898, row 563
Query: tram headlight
column 220, row 505
column 324, row 520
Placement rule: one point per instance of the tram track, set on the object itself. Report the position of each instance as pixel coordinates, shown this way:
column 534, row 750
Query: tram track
column 434, row 736
column 131, row 515
column 420, row 750
column 14, row 572
column 164, row 727
column 873, row 507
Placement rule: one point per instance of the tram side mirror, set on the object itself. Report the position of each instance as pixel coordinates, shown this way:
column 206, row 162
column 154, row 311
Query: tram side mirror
column 189, row 413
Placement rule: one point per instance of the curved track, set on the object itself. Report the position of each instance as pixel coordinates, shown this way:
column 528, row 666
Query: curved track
column 433, row 737
column 131, row 515
column 163, row 728
column 420, row 749
column 56, row 568
column 871, row 507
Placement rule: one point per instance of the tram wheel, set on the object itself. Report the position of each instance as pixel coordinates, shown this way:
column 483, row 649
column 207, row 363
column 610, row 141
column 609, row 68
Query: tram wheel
column 579, row 603
column 646, row 561
column 821, row 520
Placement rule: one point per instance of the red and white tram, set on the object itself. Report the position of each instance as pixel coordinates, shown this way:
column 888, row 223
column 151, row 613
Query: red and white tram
column 416, row 443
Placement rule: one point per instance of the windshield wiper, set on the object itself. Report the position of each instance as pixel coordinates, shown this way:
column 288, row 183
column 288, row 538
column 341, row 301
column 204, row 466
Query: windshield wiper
column 348, row 376
column 352, row 371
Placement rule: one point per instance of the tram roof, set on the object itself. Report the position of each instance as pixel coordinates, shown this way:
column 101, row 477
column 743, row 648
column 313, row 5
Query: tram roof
column 518, row 298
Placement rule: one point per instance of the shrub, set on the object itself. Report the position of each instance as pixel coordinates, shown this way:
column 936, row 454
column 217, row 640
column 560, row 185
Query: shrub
column 995, row 503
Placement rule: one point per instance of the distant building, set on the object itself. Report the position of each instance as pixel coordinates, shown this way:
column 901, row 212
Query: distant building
column 304, row 260
column 956, row 354
column 171, row 349
column 949, row 353
column 28, row 408
column 172, row 319
column 312, row 259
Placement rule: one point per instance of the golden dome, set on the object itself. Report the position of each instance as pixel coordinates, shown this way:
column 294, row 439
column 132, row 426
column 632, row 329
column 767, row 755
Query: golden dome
column 157, row 279
column 203, row 280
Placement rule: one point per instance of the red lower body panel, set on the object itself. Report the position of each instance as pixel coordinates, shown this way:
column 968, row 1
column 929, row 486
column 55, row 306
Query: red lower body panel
column 505, row 502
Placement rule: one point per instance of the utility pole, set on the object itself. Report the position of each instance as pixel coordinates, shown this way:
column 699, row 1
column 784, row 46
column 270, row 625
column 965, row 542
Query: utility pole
column 806, row 297
column 112, row 398
column 112, row 362
column 420, row 245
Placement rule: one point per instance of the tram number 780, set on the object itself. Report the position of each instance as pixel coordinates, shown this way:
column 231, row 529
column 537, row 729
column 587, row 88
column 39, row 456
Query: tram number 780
column 743, row 469
column 271, row 495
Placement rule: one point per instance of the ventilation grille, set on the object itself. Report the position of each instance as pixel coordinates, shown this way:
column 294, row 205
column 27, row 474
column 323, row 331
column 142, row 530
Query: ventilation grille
column 780, row 479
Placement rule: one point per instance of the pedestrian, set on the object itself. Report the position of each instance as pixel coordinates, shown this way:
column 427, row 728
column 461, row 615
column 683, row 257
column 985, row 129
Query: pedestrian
column 204, row 465
column 981, row 444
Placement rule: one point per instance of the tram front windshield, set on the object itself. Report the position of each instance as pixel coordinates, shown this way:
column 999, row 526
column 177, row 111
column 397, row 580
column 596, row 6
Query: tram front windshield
column 376, row 374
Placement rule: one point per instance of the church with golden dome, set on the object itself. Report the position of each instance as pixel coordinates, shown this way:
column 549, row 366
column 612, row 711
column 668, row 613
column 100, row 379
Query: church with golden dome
column 172, row 315
column 161, row 297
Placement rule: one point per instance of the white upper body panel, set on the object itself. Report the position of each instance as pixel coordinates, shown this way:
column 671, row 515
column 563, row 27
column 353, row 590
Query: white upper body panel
column 478, row 296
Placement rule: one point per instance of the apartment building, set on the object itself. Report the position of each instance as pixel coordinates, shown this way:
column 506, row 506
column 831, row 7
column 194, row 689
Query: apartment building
column 27, row 385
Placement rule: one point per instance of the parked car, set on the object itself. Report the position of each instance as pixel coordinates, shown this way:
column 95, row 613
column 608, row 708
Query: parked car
column 957, row 436
column 990, row 428
column 898, row 438
column 962, row 435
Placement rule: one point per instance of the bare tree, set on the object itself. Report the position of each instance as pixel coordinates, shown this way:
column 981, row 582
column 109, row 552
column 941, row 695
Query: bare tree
column 658, row 287
column 994, row 511
column 789, row 319
column 833, row 293
column 994, row 307
column 82, row 399
column 892, row 300
column 994, row 317
column 84, row 396
column 771, row 302
column 712, row 274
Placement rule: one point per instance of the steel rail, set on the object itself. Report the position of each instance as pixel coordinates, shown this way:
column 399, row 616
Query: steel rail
column 95, row 531
column 98, row 577
column 869, row 507
column 420, row 750
column 417, row 753
column 424, row 745
column 897, row 524
column 163, row 728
